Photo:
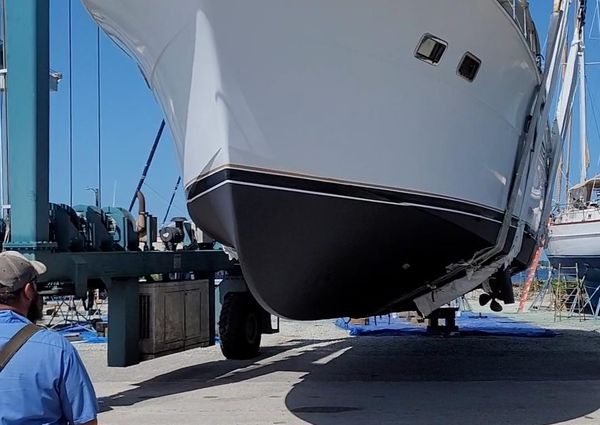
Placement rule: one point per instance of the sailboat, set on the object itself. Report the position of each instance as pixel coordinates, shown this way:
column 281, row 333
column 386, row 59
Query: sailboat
column 358, row 157
column 574, row 233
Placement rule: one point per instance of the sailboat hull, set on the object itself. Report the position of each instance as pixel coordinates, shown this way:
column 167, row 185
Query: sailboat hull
column 576, row 243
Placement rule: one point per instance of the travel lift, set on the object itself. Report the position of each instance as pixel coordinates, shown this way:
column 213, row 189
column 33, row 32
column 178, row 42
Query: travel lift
column 86, row 247
column 69, row 241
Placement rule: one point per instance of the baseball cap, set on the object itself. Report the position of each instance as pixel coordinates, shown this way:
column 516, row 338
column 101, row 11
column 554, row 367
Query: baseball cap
column 16, row 271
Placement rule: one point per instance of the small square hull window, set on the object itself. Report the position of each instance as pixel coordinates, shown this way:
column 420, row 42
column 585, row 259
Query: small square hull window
column 469, row 67
column 431, row 49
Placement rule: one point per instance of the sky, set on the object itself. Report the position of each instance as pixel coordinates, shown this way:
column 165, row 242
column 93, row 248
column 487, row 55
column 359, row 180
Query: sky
column 541, row 10
column 129, row 120
column 130, row 116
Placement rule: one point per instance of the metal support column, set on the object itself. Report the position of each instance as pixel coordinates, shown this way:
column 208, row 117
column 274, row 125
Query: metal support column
column 212, row 309
column 28, row 64
column 123, row 323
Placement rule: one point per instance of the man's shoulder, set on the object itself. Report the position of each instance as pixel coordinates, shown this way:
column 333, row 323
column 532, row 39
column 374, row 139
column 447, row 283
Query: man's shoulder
column 52, row 340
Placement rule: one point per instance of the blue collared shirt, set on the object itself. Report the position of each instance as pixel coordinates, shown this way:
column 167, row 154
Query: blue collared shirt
column 45, row 382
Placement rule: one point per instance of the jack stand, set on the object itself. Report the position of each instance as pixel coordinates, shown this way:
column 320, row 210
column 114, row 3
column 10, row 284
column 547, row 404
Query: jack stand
column 449, row 316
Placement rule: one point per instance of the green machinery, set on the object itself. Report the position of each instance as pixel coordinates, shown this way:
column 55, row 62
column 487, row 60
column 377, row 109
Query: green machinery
column 83, row 246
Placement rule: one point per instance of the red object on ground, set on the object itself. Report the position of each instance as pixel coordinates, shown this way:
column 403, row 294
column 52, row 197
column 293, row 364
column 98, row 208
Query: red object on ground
column 530, row 275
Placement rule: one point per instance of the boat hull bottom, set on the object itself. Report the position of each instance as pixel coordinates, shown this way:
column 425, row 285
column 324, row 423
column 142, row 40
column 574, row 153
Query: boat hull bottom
column 308, row 256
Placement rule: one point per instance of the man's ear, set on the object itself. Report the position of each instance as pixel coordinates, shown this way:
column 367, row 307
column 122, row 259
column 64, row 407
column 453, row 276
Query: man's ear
column 30, row 291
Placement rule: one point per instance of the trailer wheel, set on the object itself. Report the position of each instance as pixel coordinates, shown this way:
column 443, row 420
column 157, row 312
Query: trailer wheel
column 239, row 326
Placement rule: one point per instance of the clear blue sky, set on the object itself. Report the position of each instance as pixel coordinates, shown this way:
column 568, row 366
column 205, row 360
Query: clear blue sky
column 541, row 10
column 131, row 116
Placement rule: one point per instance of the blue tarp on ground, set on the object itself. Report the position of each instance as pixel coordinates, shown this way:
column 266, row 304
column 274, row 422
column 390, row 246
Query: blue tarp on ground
column 468, row 324
column 83, row 333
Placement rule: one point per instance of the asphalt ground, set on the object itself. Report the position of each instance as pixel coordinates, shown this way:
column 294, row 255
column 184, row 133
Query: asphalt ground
column 315, row 373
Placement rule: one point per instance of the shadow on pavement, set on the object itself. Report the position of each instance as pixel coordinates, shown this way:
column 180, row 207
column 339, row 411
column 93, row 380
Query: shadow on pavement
column 414, row 380
column 211, row 374
column 466, row 381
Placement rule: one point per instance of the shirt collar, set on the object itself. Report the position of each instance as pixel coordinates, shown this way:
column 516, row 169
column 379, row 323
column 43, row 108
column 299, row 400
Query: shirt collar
column 9, row 316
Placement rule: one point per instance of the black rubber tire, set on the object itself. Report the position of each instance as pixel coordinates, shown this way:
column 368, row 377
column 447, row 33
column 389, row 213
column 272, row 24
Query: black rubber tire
column 239, row 326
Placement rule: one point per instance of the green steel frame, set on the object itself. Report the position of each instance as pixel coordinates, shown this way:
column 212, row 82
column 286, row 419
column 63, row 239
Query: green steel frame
column 28, row 98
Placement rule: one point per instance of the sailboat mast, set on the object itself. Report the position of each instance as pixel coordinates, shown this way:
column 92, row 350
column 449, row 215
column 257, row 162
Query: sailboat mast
column 569, row 132
column 568, row 162
column 582, row 101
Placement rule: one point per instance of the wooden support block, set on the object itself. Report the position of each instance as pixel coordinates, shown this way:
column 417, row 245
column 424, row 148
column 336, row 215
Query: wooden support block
column 361, row 322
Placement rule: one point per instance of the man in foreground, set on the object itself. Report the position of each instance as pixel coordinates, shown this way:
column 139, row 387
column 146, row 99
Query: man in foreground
column 42, row 378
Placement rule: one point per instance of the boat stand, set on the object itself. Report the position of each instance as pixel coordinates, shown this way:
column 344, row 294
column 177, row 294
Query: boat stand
column 448, row 314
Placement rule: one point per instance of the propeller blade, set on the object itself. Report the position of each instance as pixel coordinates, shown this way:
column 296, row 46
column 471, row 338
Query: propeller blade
column 496, row 306
column 484, row 299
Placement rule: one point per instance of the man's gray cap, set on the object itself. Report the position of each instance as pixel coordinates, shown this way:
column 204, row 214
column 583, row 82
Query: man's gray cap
column 16, row 271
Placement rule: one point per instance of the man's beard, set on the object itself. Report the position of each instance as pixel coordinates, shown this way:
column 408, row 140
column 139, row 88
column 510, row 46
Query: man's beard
column 34, row 314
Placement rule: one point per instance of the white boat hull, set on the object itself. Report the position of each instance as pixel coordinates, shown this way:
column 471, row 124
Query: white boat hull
column 299, row 115
column 574, row 239
column 580, row 239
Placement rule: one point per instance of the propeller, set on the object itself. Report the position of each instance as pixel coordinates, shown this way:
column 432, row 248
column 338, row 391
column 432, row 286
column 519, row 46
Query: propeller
column 496, row 306
column 484, row 299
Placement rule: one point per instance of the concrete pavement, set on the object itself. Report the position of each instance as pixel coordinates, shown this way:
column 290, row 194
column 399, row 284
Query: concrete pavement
column 314, row 373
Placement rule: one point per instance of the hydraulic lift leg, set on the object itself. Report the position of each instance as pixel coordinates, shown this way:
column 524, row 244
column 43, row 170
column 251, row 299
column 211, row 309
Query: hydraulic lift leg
column 123, row 323
column 27, row 56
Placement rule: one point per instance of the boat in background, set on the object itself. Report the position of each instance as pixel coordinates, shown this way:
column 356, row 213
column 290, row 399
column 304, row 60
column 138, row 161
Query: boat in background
column 574, row 236
column 574, row 231
column 360, row 157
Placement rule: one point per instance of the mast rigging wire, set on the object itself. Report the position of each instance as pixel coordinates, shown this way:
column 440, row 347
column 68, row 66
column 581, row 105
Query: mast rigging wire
column 595, row 22
column 162, row 198
column 594, row 115
column 70, row 32
column 148, row 163
column 171, row 201
column 4, row 190
column 99, row 87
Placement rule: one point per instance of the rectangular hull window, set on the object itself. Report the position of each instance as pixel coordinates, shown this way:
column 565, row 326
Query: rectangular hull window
column 431, row 49
column 469, row 67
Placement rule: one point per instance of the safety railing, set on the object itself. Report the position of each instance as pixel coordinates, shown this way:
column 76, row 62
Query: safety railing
column 576, row 212
column 519, row 11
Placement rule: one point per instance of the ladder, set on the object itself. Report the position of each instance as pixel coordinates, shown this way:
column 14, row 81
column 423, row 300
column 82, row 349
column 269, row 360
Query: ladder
column 571, row 296
column 545, row 289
